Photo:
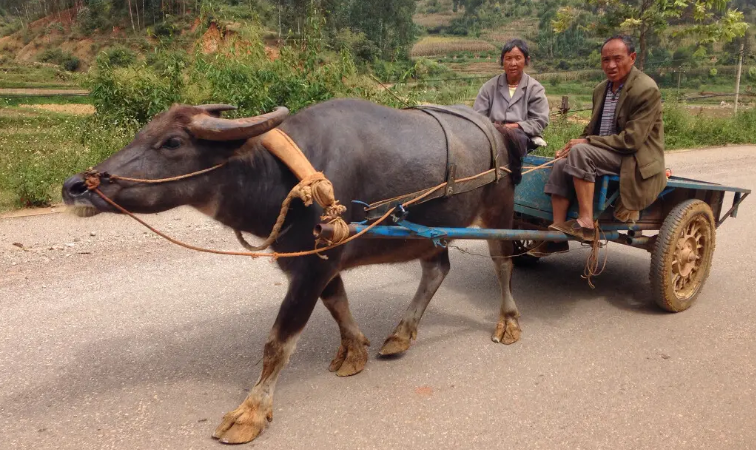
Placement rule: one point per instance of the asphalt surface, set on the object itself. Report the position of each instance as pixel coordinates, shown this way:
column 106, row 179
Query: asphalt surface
column 113, row 338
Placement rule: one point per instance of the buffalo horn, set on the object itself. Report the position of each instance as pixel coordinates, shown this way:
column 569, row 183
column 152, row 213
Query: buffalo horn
column 216, row 129
column 214, row 109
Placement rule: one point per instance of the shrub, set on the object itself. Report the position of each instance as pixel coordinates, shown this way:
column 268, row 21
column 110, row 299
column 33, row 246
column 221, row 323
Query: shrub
column 27, row 35
column 132, row 94
column 10, row 28
column 243, row 77
column 71, row 64
column 118, row 56
column 58, row 56
column 752, row 73
column 51, row 55
column 358, row 44
column 91, row 17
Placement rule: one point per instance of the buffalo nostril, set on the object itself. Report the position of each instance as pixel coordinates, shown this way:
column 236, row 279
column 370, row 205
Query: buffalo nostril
column 75, row 186
column 79, row 188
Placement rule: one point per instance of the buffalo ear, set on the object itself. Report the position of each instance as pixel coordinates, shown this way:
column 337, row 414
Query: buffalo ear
column 215, row 109
column 205, row 126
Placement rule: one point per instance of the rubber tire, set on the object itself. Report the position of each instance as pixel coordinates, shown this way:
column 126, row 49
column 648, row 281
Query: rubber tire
column 662, row 287
column 523, row 260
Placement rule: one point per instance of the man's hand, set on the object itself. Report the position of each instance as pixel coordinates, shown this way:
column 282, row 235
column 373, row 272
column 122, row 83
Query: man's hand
column 566, row 150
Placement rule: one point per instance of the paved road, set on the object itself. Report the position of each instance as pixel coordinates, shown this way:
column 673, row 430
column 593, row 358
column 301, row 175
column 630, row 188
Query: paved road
column 111, row 338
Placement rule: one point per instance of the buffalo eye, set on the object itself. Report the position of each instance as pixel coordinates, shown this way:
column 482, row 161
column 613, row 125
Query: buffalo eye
column 172, row 143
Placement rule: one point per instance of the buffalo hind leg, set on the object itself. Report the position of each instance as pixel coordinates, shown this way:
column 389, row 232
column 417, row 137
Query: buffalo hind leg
column 247, row 421
column 435, row 269
column 508, row 328
column 352, row 355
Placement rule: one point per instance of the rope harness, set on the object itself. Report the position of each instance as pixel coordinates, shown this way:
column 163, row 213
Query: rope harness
column 315, row 187
column 452, row 185
column 93, row 180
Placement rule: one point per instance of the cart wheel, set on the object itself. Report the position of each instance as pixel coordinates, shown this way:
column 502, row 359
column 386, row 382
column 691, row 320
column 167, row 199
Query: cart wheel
column 682, row 256
column 520, row 249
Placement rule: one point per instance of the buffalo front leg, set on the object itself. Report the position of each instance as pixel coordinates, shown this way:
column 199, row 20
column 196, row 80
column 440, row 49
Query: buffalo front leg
column 508, row 328
column 352, row 355
column 247, row 421
column 435, row 270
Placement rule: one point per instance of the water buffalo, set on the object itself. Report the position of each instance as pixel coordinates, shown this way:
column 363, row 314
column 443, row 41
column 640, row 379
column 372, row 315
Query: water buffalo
column 369, row 152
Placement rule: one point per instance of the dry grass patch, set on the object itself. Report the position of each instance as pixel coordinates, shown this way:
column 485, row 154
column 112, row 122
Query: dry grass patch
column 78, row 110
column 515, row 29
column 438, row 45
column 435, row 20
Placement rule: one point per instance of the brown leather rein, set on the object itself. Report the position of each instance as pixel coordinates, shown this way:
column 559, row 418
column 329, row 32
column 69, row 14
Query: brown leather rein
column 93, row 179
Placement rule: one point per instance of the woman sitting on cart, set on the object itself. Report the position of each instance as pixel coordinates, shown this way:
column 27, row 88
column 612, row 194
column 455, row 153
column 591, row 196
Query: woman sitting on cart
column 515, row 100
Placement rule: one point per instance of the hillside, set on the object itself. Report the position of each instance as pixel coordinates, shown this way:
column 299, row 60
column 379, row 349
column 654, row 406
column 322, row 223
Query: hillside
column 73, row 36
column 55, row 40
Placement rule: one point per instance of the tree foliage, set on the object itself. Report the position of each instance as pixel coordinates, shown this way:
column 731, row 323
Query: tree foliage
column 706, row 21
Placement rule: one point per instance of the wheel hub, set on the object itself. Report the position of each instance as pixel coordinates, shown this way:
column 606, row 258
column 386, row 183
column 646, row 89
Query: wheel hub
column 688, row 257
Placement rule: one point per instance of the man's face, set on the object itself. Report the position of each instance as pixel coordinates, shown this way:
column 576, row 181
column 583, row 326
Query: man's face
column 615, row 60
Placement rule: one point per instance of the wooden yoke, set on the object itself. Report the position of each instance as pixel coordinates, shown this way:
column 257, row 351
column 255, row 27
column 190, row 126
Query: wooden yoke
column 284, row 148
column 313, row 185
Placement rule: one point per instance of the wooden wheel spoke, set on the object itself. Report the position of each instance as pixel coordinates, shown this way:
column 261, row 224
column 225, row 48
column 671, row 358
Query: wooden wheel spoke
column 679, row 282
column 681, row 259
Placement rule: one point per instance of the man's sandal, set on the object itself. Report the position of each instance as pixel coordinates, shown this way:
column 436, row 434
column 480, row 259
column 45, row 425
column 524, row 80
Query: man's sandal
column 573, row 228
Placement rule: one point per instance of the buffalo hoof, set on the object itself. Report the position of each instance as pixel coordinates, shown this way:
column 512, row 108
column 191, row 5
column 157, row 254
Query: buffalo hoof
column 351, row 357
column 245, row 423
column 507, row 331
column 394, row 345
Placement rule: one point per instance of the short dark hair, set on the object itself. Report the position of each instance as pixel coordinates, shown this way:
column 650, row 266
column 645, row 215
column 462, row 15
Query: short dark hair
column 627, row 40
column 511, row 45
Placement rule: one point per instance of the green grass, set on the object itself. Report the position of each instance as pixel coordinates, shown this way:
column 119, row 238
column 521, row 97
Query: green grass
column 36, row 77
column 558, row 133
column 12, row 84
column 45, row 100
column 40, row 150
column 684, row 129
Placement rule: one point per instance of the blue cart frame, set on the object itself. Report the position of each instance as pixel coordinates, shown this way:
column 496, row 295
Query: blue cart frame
column 680, row 228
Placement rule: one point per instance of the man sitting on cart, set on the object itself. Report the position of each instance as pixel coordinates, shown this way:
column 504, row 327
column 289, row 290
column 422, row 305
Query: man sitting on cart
column 625, row 136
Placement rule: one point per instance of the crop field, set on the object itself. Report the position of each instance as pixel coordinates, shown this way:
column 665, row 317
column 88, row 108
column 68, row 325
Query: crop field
column 442, row 45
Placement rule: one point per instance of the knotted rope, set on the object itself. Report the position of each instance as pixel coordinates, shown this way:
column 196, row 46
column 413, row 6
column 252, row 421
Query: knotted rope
column 592, row 263
column 313, row 187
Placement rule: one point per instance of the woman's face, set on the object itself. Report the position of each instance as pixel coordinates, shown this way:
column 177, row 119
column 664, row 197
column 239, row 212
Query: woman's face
column 514, row 63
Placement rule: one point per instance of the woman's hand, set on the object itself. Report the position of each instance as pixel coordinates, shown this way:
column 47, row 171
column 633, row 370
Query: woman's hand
column 512, row 125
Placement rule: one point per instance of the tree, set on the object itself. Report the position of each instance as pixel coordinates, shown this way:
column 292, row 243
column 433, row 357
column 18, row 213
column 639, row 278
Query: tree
column 386, row 24
column 570, row 27
column 707, row 21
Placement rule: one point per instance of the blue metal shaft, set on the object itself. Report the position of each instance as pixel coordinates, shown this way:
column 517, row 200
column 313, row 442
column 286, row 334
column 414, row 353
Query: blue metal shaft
column 392, row 232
